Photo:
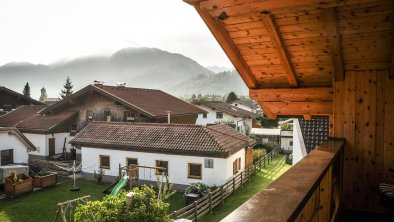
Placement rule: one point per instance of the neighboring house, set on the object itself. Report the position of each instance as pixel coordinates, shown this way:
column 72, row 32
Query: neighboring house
column 49, row 133
column 307, row 134
column 10, row 100
column 266, row 135
column 221, row 112
column 286, row 141
column 123, row 104
column 190, row 153
column 14, row 147
column 249, row 106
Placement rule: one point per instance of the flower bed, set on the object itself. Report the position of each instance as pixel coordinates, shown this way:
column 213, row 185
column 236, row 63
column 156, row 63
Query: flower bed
column 18, row 184
column 45, row 180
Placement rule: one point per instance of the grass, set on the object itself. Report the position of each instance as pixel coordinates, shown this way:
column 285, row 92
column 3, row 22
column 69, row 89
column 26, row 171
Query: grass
column 258, row 182
column 42, row 205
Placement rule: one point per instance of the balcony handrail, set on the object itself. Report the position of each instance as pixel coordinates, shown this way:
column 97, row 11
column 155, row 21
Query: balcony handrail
column 297, row 189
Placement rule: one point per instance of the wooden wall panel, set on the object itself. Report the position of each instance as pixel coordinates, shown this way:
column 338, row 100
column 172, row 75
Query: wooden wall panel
column 364, row 114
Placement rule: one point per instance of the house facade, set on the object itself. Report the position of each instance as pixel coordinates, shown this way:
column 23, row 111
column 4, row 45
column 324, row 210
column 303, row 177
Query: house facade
column 50, row 128
column 190, row 153
column 14, row 147
column 220, row 112
column 10, row 100
column 245, row 106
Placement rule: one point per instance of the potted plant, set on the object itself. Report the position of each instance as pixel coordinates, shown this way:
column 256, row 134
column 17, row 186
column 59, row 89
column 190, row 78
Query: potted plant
column 17, row 184
column 195, row 191
column 41, row 177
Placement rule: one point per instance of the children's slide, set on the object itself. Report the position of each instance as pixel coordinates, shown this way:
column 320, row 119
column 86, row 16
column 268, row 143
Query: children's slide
column 122, row 182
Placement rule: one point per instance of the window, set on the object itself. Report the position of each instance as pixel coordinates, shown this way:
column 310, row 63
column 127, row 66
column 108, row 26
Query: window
column 7, row 157
column 236, row 165
column 236, row 104
column 164, row 164
column 204, row 115
column 104, row 162
column 89, row 115
column 219, row 115
column 291, row 143
column 194, row 170
column 128, row 116
column 208, row 163
column 131, row 161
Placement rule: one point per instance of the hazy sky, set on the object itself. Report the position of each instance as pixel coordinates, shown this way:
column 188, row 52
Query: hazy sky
column 46, row 31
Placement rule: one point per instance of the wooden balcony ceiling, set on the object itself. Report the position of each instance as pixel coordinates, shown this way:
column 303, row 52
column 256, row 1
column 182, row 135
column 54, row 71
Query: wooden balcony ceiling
column 289, row 52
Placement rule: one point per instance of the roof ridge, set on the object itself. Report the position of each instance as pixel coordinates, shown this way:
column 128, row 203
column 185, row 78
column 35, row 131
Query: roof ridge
column 142, row 123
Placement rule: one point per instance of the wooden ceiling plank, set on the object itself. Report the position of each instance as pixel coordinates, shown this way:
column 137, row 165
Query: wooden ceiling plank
column 334, row 36
column 300, row 108
column 391, row 75
column 274, row 33
column 229, row 47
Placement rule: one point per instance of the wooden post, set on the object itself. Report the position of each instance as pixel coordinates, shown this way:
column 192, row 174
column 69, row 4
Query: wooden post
column 221, row 195
column 248, row 173
column 175, row 215
column 195, row 211
column 120, row 171
column 233, row 184
column 264, row 161
column 242, row 180
column 210, row 202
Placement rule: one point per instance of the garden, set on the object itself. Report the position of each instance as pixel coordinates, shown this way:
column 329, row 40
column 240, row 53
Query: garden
column 145, row 204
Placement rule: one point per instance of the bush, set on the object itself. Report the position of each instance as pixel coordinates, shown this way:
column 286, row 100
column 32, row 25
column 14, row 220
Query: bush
column 99, row 176
column 257, row 153
column 145, row 208
column 198, row 188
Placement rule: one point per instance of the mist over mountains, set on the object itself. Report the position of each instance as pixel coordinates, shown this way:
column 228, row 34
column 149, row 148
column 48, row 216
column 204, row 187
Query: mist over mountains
column 137, row 67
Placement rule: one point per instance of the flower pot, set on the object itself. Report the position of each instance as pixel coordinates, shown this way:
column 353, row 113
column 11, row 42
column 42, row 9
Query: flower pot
column 20, row 187
column 45, row 181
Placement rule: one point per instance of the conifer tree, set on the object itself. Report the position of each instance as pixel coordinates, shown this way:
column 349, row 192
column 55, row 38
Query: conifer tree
column 67, row 88
column 231, row 97
column 26, row 90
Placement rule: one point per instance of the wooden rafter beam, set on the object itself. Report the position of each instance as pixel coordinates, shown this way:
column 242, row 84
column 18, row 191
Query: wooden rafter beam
column 234, row 8
column 267, row 111
column 334, row 38
column 300, row 108
column 322, row 94
column 307, row 117
column 279, row 45
column 229, row 47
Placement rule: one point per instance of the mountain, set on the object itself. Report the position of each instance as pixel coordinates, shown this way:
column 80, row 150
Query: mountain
column 137, row 67
column 217, row 69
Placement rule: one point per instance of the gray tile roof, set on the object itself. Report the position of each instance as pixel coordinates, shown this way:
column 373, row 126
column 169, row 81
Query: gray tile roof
column 216, row 140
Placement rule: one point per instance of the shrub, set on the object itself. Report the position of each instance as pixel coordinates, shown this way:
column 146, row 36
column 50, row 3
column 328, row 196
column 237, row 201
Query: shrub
column 198, row 188
column 99, row 176
column 257, row 153
column 37, row 170
column 145, row 208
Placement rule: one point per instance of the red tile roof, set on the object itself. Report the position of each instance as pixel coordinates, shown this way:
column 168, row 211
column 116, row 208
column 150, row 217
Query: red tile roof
column 26, row 117
column 216, row 140
column 225, row 107
column 151, row 102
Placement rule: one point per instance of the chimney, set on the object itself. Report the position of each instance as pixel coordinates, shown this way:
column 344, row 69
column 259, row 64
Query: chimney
column 98, row 82
column 168, row 117
column 121, row 84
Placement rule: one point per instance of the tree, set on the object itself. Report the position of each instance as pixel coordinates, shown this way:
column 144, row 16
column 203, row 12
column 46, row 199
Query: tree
column 26, row 90
column 67, row 88
column 44, row 95
column 231, row 97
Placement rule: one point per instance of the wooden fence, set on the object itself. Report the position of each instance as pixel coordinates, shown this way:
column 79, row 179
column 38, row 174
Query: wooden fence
column 206, row 204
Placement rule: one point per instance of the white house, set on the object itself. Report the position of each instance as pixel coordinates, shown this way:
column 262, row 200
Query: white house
column 245, row 106
column 49, row 133
column 14, row 147
column 190, row 153
column 286, row 141
column 220, row 112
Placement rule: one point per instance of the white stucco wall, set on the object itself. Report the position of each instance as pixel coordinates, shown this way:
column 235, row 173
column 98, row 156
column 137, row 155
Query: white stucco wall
column 299, row 150
column 42, row 143
column 20, row 151
column 177, row 164
column 285, row 143
column 211, row 119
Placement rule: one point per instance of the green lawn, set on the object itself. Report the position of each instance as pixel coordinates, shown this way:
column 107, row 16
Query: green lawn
column 259, row 181
column 42, row 205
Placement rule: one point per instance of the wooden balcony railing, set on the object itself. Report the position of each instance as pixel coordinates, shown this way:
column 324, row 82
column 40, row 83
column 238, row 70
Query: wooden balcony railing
column 309, row 191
